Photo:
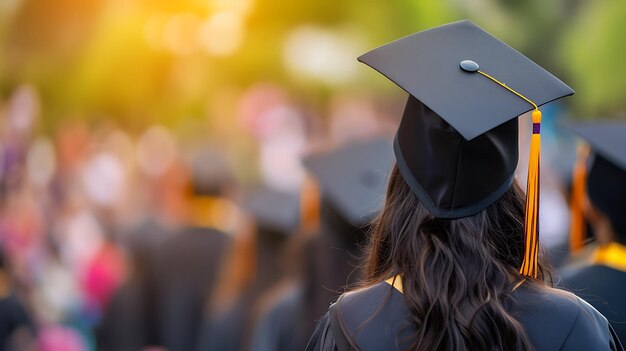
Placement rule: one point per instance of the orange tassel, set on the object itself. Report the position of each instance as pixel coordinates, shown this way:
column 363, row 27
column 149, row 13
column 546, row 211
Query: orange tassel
column 579, row 189
column 531, row 223
column 309, row 206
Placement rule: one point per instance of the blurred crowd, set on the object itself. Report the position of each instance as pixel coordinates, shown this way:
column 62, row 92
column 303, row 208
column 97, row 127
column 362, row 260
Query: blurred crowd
column 120, row 241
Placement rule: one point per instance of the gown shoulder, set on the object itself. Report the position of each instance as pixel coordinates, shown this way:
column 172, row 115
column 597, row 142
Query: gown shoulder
column 558, row 320
column 376, row 318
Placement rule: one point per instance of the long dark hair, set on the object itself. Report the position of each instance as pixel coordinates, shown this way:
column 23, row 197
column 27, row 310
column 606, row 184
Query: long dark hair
column 458, row 274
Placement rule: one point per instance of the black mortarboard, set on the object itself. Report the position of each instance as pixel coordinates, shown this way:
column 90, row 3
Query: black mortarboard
column 353, row 178
column 273, row 210
column 457, row 144
column 427, row 66
column 211, row 174
column 606, row 178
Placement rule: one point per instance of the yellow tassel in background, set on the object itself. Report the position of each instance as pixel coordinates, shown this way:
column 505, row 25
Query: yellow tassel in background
column 577, row 200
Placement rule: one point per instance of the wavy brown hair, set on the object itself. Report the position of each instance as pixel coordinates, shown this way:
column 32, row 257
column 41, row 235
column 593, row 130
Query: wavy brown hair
column 458, row 275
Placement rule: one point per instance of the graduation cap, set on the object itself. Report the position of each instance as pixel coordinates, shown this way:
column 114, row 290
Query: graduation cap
column 211, row 174
column 606, row 176
column 457, row 144
column 353, row 178
column 273, row 210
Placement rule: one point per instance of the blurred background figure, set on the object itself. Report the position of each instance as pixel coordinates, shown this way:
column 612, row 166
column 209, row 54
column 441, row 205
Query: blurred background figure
column 233, row 310
column 190, row 261
column 351, row 183
column 16, row 326
column 602, row 278
column 135, row 138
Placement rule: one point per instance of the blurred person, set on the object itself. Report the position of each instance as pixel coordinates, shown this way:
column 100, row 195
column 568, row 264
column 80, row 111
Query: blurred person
column 128, row 320
column 351, row 183
column 275, row 215
column 189, row 261
column 602, row 279
column 280, row 127
column 453, row 261
column 17, row 328
column 152, row 207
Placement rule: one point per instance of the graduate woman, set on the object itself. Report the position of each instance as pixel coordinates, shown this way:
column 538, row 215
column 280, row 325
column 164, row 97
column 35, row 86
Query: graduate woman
column 454, row 262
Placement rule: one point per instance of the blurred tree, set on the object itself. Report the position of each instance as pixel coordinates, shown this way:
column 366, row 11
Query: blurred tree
column 138, row 62
column 594, row 51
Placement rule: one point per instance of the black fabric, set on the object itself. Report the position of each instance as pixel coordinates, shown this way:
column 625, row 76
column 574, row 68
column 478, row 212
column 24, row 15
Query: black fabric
column 605, row 289
column 13, row 317
column 330, row 259
column 123, row 325
column 340, row 339
column 188, row 265
column 451, row 176
column 226, row 331
column 273, row 210
column 129, row 321
column 331, row 262
column 327, row 336
column 377, row 319
column 280, row 328
column 606, row 187
column 232, row 328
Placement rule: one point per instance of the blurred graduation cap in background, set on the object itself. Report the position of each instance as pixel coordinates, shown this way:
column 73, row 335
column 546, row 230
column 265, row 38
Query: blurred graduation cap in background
column 457, row 144
column 352, row 179
column 211, row 173
column 273, row 210
column 602, row 177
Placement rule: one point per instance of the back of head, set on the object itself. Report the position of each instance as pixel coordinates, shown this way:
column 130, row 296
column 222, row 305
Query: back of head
column 606, row 186
column 604, row 158
column 458, row 274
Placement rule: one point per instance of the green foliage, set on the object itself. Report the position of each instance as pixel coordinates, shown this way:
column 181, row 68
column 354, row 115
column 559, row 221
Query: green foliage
column 96, row 61
column 594, row 51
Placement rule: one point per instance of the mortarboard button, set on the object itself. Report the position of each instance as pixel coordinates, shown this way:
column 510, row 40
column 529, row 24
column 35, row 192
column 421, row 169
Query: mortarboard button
column 273, row 210
column 469, row 66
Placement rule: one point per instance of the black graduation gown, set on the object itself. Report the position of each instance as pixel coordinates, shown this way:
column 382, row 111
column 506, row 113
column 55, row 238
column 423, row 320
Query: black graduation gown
column 377, row 319
column 231, row 330
column 605, row 289
column 279, row 329
column 188, row 265
column 13, row 317
column 128, row 322
column 330, row 261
